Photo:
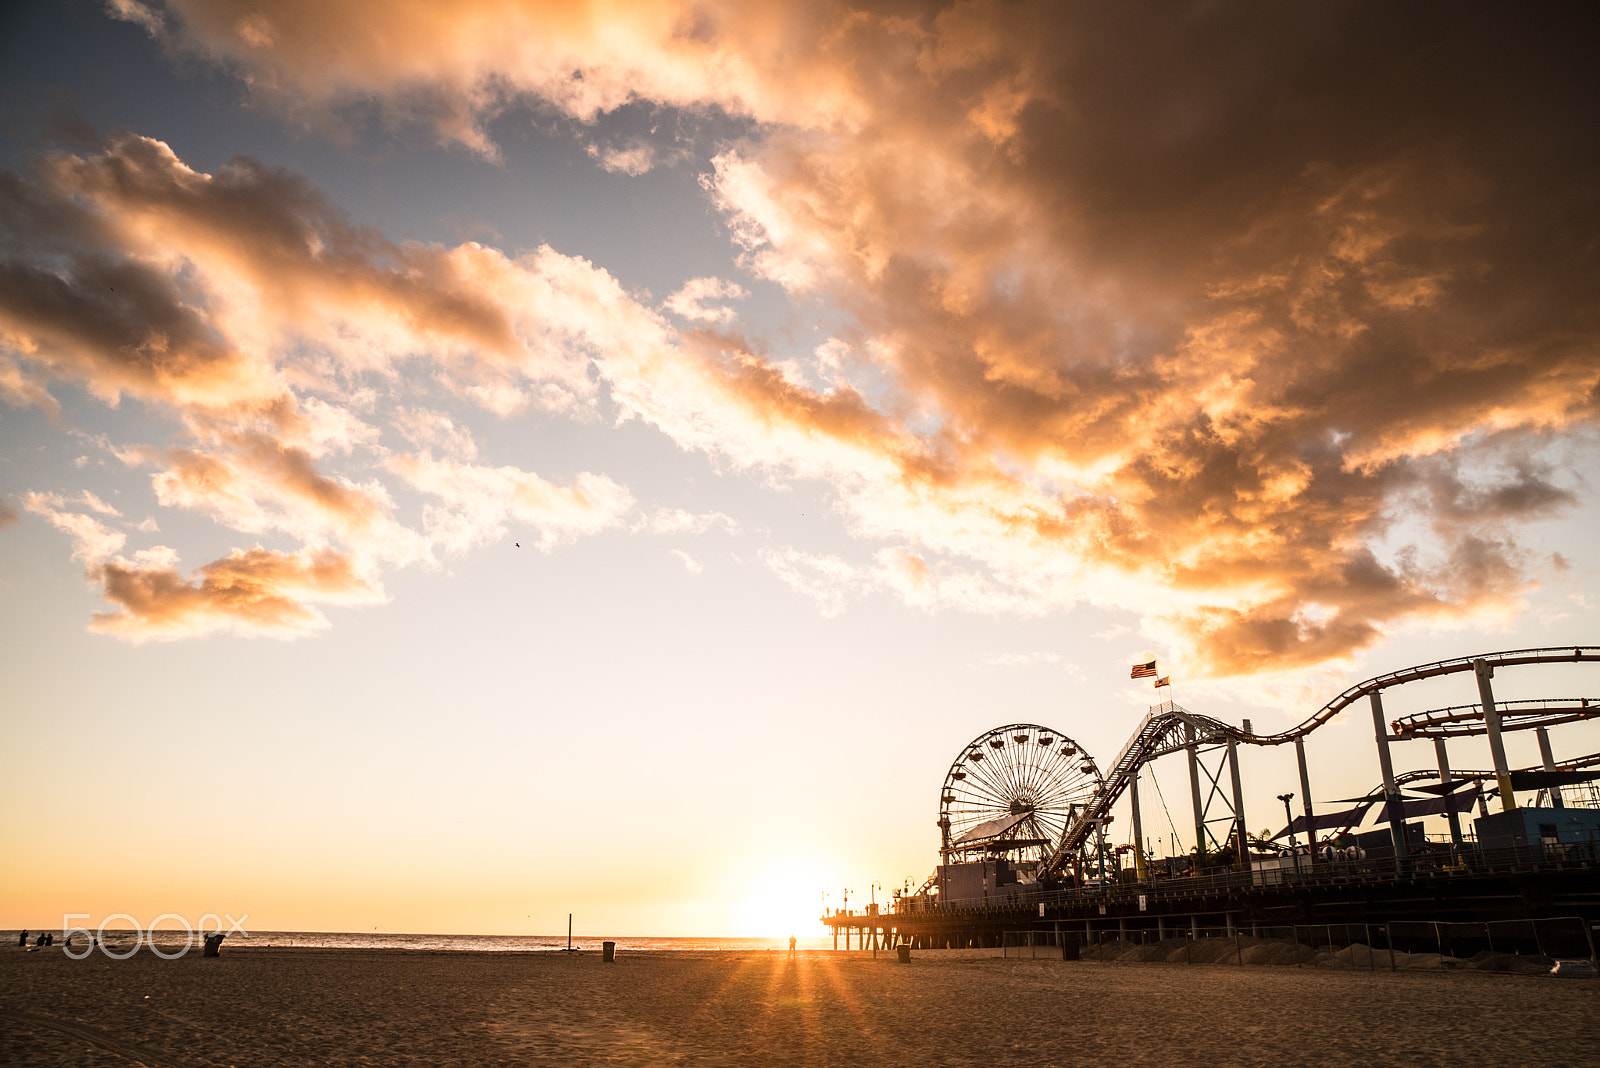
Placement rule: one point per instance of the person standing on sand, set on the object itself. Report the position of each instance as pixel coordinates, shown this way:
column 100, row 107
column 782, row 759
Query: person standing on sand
column 22, row 939
column 791, row 945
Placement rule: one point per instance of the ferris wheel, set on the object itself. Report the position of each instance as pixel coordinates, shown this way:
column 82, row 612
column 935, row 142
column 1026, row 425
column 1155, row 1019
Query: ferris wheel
column 1012, row 792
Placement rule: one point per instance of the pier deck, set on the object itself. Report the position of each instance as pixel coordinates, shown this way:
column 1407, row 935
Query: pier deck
column 1497, row 886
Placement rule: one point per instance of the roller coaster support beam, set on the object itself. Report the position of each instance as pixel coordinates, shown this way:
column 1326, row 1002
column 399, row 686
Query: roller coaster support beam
column 1241, row 834
column 1491, row 721
column 1393, row 809
column 1549, row 765
column 1444, row 780
column 1138, row 829
column 1194, row 791
column 1305, row 796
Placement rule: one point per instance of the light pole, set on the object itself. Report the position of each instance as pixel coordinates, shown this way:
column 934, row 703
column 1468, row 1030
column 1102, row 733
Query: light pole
column 1294, row 850
column 876, row 886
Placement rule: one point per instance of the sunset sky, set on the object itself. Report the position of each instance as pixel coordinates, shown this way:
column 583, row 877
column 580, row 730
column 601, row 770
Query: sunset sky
column 466, row 461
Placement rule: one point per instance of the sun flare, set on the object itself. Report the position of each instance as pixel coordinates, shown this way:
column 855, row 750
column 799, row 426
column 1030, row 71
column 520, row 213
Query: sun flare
column 781, row 899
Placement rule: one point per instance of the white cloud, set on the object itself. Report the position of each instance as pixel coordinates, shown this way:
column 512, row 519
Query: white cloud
column 826, row 579
column 634, row 158
column 439, row 431
column 476, row 504
column 92, row 540
column 693, row 300
column 679, row 521
column 96, row 504
column 1022, row 659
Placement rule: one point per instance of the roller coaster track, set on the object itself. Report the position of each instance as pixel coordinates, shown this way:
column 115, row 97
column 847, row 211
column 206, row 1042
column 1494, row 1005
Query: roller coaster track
column 1464, row 721
column 1424, row 774
column 1168, row 728
column 1375, row 795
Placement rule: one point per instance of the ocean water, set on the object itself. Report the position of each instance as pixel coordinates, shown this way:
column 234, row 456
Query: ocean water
column 517, row 943
column 169, row 940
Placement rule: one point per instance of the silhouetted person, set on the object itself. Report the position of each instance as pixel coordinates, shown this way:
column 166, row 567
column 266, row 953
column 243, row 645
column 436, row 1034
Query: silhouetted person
column 49, row 939
column 791, row 945
column 213, row 946
column 22, row 939
column 39, row 941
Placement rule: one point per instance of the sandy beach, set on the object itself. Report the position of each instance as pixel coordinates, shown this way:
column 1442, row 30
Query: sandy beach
column 259, row 1006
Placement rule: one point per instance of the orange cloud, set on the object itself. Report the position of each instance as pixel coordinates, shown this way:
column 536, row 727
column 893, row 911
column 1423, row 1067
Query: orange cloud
column 1190, row 321
column 1252, row 316
column 455, row 64
column 268, row 487
column 245, row 307
column 252, row 592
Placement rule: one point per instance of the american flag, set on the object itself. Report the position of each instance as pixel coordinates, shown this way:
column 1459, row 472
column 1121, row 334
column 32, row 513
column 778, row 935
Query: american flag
column 1165, row 680
column 1144, row 671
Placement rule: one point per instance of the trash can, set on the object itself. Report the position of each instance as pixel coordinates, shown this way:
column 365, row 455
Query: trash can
column 608, row 952
column 903, row 952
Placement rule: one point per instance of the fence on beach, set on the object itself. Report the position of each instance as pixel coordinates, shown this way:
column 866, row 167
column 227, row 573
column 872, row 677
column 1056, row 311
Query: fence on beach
column 1407, row 944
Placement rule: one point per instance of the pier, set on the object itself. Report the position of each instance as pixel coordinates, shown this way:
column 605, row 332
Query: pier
column 1024, row 812
column 1475, row 887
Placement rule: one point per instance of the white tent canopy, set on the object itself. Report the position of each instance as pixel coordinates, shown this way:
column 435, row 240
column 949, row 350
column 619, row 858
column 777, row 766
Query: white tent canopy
column 990, row 829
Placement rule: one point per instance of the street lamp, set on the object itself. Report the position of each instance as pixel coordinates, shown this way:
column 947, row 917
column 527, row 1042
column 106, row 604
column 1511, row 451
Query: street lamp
column 1294, row 850
column 875, row 887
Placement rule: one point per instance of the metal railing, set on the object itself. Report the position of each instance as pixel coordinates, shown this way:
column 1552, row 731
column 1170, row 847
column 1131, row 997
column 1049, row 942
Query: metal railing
column 1377, row 867
column 1494, row 945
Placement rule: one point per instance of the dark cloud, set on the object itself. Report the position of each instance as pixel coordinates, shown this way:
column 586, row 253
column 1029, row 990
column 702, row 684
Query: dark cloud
column 246, row 308
column 1248, row 269
column 1262, row 308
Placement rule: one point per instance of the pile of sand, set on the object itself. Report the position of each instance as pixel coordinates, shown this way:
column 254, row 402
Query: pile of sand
column 1250, row 950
